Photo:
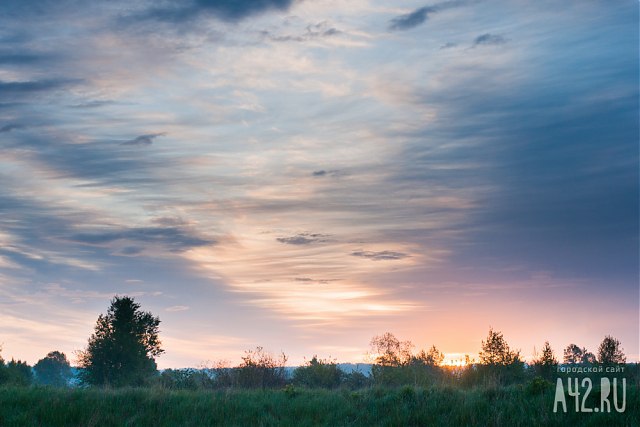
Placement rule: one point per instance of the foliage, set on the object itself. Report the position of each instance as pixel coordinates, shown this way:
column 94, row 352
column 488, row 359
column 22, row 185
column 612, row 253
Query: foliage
column 261, row 369
column 318, row 373
column 539, row 385
column 356, row 380
column 574, row 354
column 123, row 348
column 433, row 357
column 3, row 370
column 610, row 351
column 186, row 379
column 18, row 373
column 392, row 358
column 496, row 351
column 54, row 369
column 498, row 363
column 546, row 364
column 390, row 351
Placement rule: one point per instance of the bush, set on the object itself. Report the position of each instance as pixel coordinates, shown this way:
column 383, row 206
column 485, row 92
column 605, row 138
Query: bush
column 318, row 373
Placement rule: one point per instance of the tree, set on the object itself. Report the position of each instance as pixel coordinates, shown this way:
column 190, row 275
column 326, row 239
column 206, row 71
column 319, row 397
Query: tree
column 19, row 373
column 547, row 362
column 318, row 373
column 54, row 369
column 433, row 357
column 574, row 354
column 499, row 364
column 123, row 347
column 261, row 369
column 391, row 351
column 4, row 375
column 496, row 351
column 393, row 360
column 610, row 351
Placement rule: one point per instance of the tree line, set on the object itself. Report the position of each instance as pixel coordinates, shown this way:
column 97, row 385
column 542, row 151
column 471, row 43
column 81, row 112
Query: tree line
column 125, row 343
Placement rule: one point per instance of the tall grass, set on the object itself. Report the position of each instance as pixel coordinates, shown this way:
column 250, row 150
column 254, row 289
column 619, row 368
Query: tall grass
column 405, row 406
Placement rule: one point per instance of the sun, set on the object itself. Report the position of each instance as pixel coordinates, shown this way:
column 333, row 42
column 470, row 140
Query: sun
column 455, row 359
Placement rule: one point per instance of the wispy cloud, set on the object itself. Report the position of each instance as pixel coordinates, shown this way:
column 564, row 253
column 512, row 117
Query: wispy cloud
column 227, row 10
column 419, row 16
column 380, row 256
column 303, row 239
column 176, row 308
column 489, row 39
column 143, row 139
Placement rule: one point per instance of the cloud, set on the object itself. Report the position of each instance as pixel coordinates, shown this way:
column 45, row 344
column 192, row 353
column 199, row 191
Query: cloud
column 381, row 255
column 419, row 16
column 175, row 238
column 489, row 39
column 176, row 308
column 143, row 139
column 10, row 127
column 302, row 239
column 310, row 280
column 312, row 31
column 11, row 58
column 226, row 10
column 321, row 173
column 411, row 20
column 21, row 88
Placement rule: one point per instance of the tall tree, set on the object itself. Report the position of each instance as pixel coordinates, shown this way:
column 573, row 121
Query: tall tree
column 54, row 369
column 547, row 362
column 498, row 363
column 610, row 351
column 123, row 347
column 496, row 351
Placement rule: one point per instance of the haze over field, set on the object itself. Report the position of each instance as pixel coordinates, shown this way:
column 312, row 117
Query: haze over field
column 306, row 174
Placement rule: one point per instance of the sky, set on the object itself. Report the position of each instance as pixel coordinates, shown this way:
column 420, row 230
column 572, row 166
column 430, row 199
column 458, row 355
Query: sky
column 303, row 175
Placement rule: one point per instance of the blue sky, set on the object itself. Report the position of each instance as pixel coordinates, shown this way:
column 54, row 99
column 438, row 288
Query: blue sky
column 306, row 174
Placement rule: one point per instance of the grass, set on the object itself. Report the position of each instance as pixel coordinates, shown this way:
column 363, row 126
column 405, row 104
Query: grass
column 406, row 406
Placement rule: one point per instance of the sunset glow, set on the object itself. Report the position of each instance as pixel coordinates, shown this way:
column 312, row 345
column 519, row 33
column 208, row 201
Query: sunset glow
column 305, row 175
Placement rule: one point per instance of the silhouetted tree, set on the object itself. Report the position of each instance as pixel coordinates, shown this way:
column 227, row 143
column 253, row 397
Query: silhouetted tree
column 574, row 354
column 546, row 363
column 496, row 351
column 54, row 369
column 610, row 351
column 390, row 351
column 433, row 357
column 392, row 361
column 499, row 363
column 123, row 348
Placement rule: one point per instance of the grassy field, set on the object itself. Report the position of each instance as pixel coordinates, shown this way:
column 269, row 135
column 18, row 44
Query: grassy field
column 441, row 406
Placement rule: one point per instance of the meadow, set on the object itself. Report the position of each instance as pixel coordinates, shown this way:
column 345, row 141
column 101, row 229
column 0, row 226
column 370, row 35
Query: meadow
column 515, row 405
